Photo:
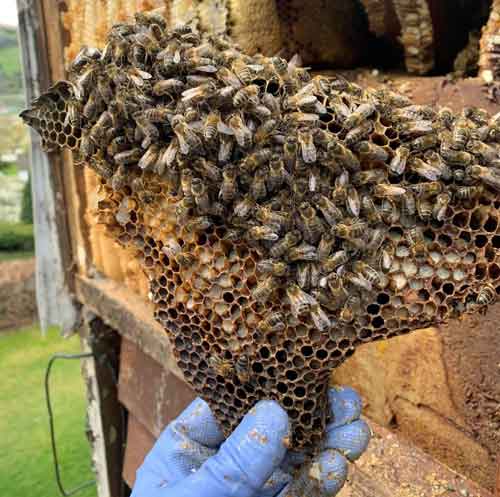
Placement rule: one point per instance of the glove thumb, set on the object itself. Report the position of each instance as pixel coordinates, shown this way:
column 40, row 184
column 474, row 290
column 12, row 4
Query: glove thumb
column 245, row 460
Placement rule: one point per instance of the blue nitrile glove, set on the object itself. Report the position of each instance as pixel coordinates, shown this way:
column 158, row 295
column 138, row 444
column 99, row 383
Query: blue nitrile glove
column 191, row 458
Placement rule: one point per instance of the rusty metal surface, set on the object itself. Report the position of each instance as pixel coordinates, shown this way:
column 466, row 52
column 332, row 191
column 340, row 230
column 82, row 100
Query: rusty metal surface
column 148, row 390
column 130, row 315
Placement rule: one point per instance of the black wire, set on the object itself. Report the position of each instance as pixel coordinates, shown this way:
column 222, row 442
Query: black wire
column 86, row 484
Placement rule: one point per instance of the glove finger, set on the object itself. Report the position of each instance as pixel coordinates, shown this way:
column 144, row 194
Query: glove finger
column 246, row 459
column 184, row 445
column 323, row 477
column 277, row 481
column 345, row 405
column 351, row 439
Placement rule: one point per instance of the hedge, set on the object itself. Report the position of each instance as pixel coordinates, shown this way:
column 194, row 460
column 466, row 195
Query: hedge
column 16, row 237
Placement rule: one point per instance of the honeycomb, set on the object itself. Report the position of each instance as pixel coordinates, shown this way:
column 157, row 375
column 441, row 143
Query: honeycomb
column 281, row 219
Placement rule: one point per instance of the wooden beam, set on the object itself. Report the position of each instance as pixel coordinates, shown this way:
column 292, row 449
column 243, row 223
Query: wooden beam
column 129, row 315
column 52, row 244
column 105, row 415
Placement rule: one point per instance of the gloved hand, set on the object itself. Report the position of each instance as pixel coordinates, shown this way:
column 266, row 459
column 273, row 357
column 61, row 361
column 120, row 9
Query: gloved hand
column 191, row 458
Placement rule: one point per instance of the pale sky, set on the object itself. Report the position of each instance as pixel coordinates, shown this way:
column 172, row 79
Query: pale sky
column 8, row 12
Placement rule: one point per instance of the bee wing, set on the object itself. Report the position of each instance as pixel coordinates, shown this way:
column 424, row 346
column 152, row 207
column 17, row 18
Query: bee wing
column 224, row 128
column 295, row 61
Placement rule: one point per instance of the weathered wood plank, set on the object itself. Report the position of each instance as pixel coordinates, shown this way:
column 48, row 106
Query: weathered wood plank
column 105, row 415
column 53, row 262
column 145, row 383
column 127, row 313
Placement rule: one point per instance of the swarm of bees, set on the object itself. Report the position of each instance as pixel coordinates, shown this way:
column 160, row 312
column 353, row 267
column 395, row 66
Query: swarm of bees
column 282, row 219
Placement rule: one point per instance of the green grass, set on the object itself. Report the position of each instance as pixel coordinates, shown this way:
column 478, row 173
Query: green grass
column 26, row 459
column 12, row 256
column 10, row 61
column 16, row 236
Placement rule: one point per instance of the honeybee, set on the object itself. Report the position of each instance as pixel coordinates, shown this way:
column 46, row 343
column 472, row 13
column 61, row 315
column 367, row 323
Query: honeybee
column 277, row 174
column 454, row 157
column 91, row 107
column 275, row 219
column 258, row 188
column 460, row 133
column 210, row 129
column 229, row 78
column 445, row 117
column 415, row 128
column 199, row 93
column 187, row 138
column 312, row 226
column 128, row 156
column 226, row 145
column 376, row 239
column 487, row 295
column 414, row 112
column 221, row 367
column 256, row 159
column 307, row 147
column 369, row 210
column 435, row 160
column 391, row 98
column 371, row 274
column 486, row 152
column 119, row 179
column 427, row 189
column 243, row 207
column 303, row 275
column 408, row 204
column 369, row 176
column 272, row 266
column 325, row 246
column 74, row 114
column 242, row 71
column 149, row 158
column 349, row 310
column 358, row 281
column 416, row 241
column 363, row 112
column 229, row 188
column 101, row 166
column 284, row 245
column 241, row 131
column 345, row 156
column 300, row 301
column 441, row 206
column 207, row 169
column 258, row 233
column 398, row 163
column 167, row 157
column 353, row 203
column 339, row 258
column 301, row 118
column 385, row 260
column 424, row 209
column 198, row 224
column 248, row 95
column 351, row 231
column 242, row 368
column 339, row 192
column 358, row 133
column 319, row 318
column 385, row 190
column 184, row 259
column 423, row 143
column 302, row 252
column 99, row 128
column 200, row 194
column 272, row 323
column 262, row 292
column 486, row 175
